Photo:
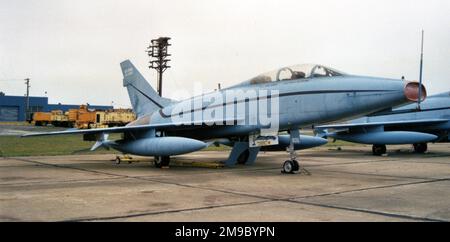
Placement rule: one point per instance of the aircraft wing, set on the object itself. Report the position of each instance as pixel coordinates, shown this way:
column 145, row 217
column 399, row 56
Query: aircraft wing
column 387, row 123
column 158, row 126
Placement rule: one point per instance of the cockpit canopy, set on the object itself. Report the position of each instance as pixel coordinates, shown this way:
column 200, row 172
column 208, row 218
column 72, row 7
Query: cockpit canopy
column 303, row 71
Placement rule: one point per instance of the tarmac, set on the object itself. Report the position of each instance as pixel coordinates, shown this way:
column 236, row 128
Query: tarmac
column 344, row 185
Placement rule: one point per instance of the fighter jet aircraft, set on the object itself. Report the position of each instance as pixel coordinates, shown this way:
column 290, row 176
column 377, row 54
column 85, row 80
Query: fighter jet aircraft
column 249, row 115
column 410, row 124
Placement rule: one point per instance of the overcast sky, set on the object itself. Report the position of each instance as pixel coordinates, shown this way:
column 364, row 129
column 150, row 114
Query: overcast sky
column 72, row 49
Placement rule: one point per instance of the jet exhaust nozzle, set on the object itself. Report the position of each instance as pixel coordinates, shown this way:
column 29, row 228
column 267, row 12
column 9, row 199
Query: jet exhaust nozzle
column 411, row 91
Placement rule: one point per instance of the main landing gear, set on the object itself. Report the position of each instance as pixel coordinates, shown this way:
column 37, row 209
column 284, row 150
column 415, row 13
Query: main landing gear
column 242, row 158
column 291, row 166
column 162, row 161
column 378, row 149
column 420, row 148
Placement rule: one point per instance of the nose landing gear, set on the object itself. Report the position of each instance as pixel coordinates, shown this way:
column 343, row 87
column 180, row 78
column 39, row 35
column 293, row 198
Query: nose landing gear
column 292, row 166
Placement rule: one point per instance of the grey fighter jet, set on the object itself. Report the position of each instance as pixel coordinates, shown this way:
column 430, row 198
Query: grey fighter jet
column 247, row 116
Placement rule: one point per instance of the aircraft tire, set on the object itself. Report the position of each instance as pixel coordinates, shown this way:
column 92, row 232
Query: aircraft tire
column 420, row 147
column 161, row 161
column 288, row 167
column 165, row 160
column 378, row 149
column 158, row 161
column 296, row 165
column 243, row 157
column 118, row 160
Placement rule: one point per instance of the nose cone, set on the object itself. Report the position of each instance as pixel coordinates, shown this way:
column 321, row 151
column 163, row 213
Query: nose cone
column 411, row 91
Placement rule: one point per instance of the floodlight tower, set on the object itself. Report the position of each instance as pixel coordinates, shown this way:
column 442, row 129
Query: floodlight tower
column 157, row 51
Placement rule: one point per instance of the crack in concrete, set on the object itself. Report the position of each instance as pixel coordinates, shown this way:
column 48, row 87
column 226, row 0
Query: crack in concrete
column 160, row 212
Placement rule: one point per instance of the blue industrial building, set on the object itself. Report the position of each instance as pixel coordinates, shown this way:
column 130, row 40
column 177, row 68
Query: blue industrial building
column 13, row 108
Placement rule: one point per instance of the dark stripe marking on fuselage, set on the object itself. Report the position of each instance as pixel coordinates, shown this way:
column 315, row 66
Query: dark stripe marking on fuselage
column 407, row 111
column 269, row 96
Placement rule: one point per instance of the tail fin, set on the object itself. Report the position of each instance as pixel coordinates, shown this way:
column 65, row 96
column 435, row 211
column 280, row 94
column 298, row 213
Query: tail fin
column 143, row 97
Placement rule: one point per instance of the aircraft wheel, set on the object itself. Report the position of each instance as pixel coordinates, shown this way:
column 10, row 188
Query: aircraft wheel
column 288, row 167
column 243, row 157
column 420, row 147
column 378, row 149
column 296, row 165
column 118, row 160
column 157, row 161
column 161, row 161
column 165, row 160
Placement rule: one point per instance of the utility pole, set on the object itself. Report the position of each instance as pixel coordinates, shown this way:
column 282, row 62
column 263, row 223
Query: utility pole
column 420, row 74
column 27, row 100
column 158, row 52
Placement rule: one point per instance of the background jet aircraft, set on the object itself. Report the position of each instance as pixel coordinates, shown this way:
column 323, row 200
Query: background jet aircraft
column 306, row 94
column 405, row 125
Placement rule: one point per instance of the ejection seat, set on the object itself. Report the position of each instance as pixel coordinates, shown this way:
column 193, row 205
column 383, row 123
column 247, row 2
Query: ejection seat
column 260, row 79
column 297, row 75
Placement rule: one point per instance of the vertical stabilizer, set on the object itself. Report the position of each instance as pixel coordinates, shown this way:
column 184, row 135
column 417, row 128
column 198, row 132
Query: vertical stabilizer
column 144, row 99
